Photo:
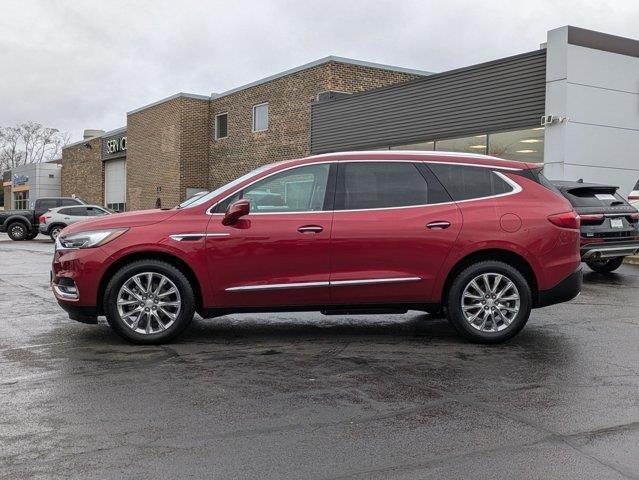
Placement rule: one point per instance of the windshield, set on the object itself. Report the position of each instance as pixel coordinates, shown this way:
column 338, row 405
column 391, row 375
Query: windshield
column 195, row 201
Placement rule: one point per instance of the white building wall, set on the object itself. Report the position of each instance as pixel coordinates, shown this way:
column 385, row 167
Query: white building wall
column 598, row 92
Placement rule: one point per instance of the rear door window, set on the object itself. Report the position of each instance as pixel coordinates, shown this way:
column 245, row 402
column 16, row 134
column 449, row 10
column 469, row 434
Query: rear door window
column 370, row 185
column 67, row 201
column 76, row 211
column 47, row 203
column 467, row 182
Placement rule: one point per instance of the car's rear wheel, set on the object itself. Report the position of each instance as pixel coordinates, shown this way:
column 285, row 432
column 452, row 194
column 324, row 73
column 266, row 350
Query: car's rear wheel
column 17, row 231
column 55, row 231
column 605, row 265
column 489, row 302
column 149, row 302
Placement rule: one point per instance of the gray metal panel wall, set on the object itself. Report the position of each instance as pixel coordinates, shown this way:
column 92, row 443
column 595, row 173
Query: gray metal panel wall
column 500, row 95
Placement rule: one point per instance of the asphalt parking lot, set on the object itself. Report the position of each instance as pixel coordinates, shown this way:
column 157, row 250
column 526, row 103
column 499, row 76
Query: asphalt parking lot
column 298, row 396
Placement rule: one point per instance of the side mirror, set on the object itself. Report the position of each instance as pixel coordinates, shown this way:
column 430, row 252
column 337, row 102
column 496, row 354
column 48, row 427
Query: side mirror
column 236, row 210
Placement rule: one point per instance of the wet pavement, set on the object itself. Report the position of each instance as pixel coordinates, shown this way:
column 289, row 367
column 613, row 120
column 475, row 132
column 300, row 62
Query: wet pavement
column 296, row 396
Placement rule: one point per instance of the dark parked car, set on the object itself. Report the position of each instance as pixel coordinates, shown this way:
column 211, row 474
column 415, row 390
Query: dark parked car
column 23, row 224
column 363, row 232
column 609, row 224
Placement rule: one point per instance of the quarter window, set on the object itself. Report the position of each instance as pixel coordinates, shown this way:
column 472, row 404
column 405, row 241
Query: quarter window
column 465, row 183
column 221, row 126
column 365, row 185
column 260, row 117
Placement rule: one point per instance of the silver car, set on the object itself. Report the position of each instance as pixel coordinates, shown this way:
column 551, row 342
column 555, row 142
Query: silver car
column 52, row 222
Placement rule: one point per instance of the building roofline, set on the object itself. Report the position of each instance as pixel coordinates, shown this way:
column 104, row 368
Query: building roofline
column 315, row 63
column 105, row 134
column 167, row 99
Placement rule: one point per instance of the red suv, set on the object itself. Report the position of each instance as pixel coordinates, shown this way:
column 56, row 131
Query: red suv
column 481, row 238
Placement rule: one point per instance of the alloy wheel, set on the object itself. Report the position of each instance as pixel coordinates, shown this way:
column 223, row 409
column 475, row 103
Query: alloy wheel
column 149, row 303
column 490, row 302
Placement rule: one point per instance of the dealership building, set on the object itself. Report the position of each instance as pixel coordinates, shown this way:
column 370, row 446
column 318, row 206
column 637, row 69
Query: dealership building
column 571, row 105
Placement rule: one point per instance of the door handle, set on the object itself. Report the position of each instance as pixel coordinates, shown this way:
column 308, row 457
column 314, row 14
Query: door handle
column 442, row 225
column 310, row 229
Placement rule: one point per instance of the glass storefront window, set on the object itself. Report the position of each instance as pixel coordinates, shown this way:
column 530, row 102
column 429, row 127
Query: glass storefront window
column 21, row 200
column 415, row 146
column 523, row 145
column 474, row 144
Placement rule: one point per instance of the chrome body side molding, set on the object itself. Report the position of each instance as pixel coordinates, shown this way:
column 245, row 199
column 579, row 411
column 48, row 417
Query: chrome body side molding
column 334, row 283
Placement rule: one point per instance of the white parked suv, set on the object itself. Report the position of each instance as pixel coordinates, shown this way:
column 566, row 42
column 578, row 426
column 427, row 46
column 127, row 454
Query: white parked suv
column 53, row 221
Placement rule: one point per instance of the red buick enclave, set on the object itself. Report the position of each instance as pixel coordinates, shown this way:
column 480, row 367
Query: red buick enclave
column 482, row 239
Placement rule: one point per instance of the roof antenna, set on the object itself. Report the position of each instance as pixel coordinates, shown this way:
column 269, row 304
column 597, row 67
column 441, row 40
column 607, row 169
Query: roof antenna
column 581, row 180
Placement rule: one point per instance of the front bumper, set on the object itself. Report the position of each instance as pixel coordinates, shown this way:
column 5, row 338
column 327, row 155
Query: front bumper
column 596, row 251
column 564, row 291
column 79, row 313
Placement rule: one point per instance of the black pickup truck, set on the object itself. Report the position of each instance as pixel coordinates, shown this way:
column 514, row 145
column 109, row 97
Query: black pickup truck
column 23, row 224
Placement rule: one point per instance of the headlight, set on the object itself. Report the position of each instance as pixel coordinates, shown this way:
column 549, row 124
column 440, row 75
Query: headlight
column 89, row 239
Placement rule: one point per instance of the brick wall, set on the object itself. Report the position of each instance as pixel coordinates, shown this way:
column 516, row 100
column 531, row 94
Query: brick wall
column 83, row 172
column 289, row 99
column 167, row 148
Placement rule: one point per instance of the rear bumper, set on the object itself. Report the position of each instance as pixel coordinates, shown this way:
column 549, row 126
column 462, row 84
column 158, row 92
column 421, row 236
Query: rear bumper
column 564, row 291
column 609, row 250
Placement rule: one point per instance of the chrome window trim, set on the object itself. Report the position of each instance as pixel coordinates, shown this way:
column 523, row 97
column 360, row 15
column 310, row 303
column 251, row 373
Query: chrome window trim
column 516, row 187
column 337, row 283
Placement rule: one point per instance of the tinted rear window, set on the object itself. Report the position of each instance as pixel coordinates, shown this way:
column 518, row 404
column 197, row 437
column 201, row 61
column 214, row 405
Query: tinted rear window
column 363, row 185
column 589, row 197
column 465, row 183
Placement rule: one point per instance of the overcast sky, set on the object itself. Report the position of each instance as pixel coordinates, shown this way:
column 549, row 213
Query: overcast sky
column 83, row 64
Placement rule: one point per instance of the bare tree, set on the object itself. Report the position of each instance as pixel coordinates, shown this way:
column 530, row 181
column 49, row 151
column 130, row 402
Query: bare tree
column 29, row 142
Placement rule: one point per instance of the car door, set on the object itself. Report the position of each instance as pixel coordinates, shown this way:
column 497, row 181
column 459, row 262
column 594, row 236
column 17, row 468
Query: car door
column 279, row 253
column 393, row 227
column 74, row 214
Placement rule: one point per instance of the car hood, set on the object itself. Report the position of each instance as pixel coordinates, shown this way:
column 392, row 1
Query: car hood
column 118, row 220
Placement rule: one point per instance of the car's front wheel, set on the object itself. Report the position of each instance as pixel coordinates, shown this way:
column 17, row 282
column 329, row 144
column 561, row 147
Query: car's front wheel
column 149, row 302
column 605, row 265
column 489, row 302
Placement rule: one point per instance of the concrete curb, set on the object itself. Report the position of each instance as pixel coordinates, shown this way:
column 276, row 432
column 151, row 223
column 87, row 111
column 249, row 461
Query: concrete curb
column 632, row 260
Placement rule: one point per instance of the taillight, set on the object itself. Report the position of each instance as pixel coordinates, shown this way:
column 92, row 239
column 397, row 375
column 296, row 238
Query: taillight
column 632, row 198
column 41, row 219
column 566, row 220
column 634, row 216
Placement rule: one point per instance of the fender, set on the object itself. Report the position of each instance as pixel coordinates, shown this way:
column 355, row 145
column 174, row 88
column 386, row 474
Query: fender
column 458, row 253
column 20, row 218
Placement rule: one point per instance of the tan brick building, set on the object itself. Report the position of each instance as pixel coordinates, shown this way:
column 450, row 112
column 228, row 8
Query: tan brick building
column 185, row 143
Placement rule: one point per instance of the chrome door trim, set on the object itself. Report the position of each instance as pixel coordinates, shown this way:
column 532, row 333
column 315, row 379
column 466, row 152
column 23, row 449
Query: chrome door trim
column 373, row 281
column 278, row 286
column 336, row 283
column 178, row 237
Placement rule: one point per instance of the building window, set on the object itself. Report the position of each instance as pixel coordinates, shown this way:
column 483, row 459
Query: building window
column 474, row 144
column 21, row 200
column 260, row 117
column 221, row 125
column 415, row 146
column 523, row 145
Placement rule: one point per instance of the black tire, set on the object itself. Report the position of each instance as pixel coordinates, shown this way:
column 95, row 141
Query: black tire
column 17, row 231
column 605, row 265
column 55, row 230
column 455, row 313
column 32, row 234
column 187, row 298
